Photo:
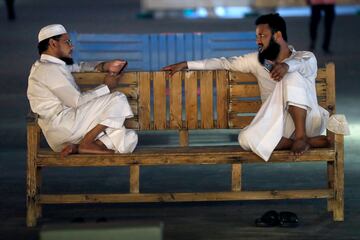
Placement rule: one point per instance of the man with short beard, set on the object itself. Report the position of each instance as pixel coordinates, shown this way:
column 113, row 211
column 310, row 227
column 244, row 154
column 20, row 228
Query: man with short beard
column 73, row 121
column 290, row 117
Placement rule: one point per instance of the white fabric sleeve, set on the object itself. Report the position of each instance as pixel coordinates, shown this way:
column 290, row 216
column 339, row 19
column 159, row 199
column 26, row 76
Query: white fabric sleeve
column 84, row 66
column 241, row 63
column 71, row 97
column 303, row 62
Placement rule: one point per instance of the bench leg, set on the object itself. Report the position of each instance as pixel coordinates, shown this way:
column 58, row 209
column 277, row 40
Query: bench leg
column 134, row 178
column 33, row 176
column 339, row 179
column 34, row 210
column 330, row 175
column 236, row 177
column 38, row 186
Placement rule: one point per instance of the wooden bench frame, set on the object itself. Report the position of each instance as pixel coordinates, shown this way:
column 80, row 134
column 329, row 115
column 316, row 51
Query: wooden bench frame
column 234, row 93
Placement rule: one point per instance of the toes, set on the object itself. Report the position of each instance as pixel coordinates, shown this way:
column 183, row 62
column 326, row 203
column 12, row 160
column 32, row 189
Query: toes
column 67, row 150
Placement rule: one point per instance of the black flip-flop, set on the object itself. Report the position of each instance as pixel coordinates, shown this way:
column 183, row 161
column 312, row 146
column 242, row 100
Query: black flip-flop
column 288, row 220
column 269, row 219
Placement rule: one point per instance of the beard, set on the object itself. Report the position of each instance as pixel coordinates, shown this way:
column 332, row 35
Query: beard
column 67, row 60
column 270, row 53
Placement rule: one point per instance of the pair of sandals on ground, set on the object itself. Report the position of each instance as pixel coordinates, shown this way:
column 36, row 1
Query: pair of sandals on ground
column 275, row 219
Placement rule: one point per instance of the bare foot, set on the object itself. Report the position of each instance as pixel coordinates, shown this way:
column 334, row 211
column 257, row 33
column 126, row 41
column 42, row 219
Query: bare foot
column 300, row 146
column 93, row 148
column 320, row 142
column 284, row 143
column 69, row 149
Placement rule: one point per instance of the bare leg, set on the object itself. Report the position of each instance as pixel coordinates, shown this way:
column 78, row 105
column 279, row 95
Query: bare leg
column 300, row 144
column 320, row 141
column 89, row 145
column 284, row 143
column 314, row 142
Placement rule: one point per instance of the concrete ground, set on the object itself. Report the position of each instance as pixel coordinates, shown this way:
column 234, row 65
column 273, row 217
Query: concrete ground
column 223, row 220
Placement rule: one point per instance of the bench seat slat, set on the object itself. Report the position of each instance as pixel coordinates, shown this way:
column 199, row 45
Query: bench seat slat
column 179, row 155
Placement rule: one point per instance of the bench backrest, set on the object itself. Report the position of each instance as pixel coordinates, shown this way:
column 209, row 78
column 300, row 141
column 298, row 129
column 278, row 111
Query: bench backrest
column 151, row 52
column 198, row 99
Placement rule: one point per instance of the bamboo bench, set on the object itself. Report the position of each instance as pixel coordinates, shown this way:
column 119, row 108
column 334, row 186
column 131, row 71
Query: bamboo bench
column 187, row 101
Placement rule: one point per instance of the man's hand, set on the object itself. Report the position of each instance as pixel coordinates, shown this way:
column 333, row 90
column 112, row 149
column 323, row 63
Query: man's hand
column 111, row 81
column 175, row 67
column 114, row 67
column 279, row 70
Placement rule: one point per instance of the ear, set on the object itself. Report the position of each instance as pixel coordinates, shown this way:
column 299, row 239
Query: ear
column 53, row 43
column 278, row 36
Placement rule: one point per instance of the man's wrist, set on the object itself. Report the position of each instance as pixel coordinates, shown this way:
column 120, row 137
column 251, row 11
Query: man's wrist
column 100, row 67
column 286, row 66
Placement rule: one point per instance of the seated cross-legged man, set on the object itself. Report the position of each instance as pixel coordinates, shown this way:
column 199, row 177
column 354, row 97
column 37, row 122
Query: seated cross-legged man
column 73, row 121
column 290, row 117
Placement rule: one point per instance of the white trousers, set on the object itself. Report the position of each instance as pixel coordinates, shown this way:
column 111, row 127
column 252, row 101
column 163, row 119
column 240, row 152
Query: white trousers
column 110, row 110
column 273, row 121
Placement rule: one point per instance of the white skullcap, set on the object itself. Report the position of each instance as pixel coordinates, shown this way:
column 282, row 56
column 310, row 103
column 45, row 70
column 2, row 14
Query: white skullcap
column 50, row 31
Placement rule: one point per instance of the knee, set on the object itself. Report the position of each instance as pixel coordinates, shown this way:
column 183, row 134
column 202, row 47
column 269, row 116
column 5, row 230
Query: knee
column 243, row 139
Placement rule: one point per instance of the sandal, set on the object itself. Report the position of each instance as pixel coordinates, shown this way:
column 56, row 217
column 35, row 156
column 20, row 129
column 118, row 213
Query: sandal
column 288, row 220
column 269, row 219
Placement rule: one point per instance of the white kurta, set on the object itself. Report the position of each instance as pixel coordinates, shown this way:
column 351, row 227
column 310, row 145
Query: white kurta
column 273, row 120
column 66, row 114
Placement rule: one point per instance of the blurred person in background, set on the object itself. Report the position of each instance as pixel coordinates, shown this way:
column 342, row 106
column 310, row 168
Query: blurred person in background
column 327, row 7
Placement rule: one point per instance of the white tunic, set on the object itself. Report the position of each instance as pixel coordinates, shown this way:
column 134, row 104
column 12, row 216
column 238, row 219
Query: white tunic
column 66, row 114
column 273, row 121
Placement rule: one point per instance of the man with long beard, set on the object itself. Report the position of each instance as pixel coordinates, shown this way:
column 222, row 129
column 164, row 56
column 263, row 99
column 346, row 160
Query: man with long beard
column 290, row 117
column 74, row 121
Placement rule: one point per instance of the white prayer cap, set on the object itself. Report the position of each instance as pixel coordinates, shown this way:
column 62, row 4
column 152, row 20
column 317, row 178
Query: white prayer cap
column 50, row 31
column 338, row 124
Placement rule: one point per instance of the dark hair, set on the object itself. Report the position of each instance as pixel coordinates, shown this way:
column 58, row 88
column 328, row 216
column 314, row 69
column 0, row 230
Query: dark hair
column 275, row 22
column 44, row 44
